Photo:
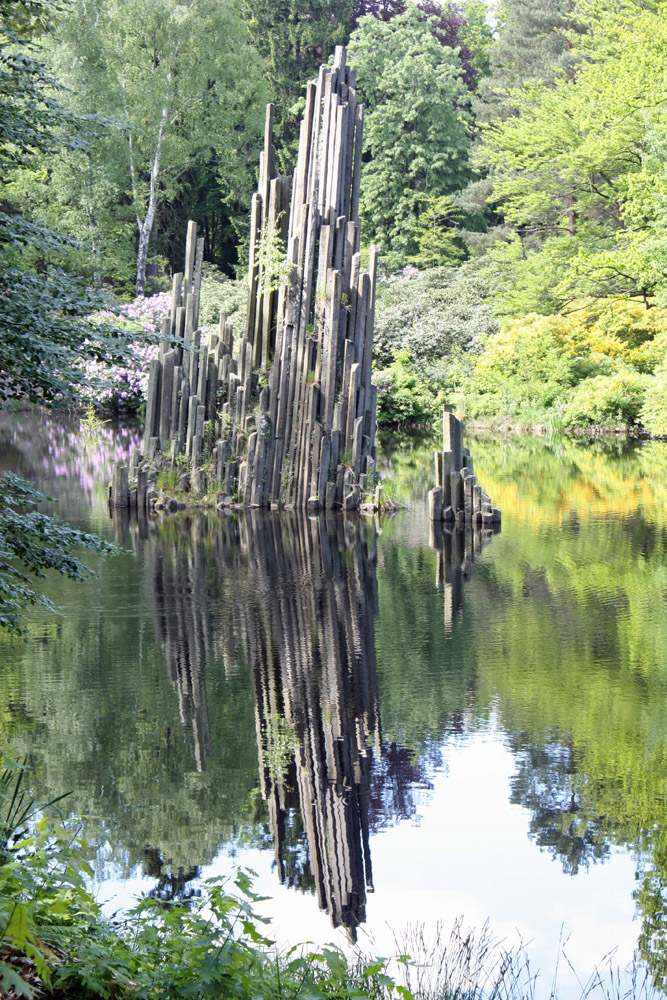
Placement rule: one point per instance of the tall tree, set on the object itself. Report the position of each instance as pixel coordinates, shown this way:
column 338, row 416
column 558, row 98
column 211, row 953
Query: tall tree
column 44, row 326
column 416, row 135
column 579, row 168
column 532, row 44
column 44, row 305
column 176, row 96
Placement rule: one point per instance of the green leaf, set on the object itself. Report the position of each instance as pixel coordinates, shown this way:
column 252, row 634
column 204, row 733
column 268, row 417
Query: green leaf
column 11, row 980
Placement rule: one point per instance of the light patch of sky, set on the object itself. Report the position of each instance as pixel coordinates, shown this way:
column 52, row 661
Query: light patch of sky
column 468, row 855
column 465, row 856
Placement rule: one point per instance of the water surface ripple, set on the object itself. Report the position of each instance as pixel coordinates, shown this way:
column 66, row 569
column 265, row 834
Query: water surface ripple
column 390, row 724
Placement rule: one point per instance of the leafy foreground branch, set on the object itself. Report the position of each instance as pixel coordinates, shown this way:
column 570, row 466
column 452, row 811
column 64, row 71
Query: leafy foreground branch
column 54, row 941
column 36, row 542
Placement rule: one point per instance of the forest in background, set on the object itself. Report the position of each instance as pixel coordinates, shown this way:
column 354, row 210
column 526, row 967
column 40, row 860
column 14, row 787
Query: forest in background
column 514, row 179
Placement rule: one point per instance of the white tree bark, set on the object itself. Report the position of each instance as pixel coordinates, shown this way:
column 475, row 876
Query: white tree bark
column 146, row 224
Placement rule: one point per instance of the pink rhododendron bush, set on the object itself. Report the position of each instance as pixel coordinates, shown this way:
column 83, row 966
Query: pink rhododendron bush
column 123, row 387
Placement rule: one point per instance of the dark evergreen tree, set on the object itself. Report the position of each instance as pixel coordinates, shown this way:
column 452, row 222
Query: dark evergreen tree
column 295, row 38
column 531, row 45
column 449, row 23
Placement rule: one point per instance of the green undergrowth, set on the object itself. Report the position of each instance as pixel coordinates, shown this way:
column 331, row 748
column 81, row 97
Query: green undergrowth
column 55, row 941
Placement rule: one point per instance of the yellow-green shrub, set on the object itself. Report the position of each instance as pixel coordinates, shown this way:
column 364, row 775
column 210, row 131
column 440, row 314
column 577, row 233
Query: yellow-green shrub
column 607, row 400
column 620, row 331
column 522, row 371
column 654, row 411
column 580, row 363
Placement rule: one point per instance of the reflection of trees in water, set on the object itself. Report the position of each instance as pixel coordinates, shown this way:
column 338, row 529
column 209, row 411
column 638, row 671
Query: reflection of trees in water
column 397, row 776
column 546, row 783
column 651, row 895
column 571, row 820
column 173, row 884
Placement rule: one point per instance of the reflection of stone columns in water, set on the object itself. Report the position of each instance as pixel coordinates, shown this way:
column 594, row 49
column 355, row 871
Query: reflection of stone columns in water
column 320, row 686
column 178, row 562
column 177, row 566
column 293, row 599
column 130, row 528
column 457, row 547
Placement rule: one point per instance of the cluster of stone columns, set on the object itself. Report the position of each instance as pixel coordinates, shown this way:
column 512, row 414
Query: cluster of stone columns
column 457, row 496
column 322, row 404
column 307, row 440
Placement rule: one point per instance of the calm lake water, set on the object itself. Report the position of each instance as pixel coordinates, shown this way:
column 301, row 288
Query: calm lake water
column 392, row 727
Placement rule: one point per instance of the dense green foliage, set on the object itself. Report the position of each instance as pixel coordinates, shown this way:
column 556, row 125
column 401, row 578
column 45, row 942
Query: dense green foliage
column 535, row 147
column 44, row 306
column 577, row 166
column 294, row 42
column 173, row 102
column 531, row 43
column 570, row 124
column 596, row 367
column 415, row 131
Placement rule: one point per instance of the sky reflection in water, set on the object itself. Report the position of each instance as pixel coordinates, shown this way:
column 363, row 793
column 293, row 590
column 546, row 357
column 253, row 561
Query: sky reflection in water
column 412, row 727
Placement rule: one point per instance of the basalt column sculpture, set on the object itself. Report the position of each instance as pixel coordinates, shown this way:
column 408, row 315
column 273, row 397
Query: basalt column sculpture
column 288, row 416
column 457, row 496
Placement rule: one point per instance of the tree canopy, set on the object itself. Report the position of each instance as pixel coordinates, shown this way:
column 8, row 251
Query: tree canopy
column 45, row 307
column 173, row 98
column 535, row 147
column 415, row 133
column 577, row 169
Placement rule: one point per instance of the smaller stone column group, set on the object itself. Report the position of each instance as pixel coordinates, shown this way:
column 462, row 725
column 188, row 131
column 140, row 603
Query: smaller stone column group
column 457, row 496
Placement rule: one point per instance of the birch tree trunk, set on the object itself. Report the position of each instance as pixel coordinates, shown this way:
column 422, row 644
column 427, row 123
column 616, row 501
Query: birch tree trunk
column 146, row 224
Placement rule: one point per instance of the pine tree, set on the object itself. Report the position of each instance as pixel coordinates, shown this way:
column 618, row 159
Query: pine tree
column 532, row 45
